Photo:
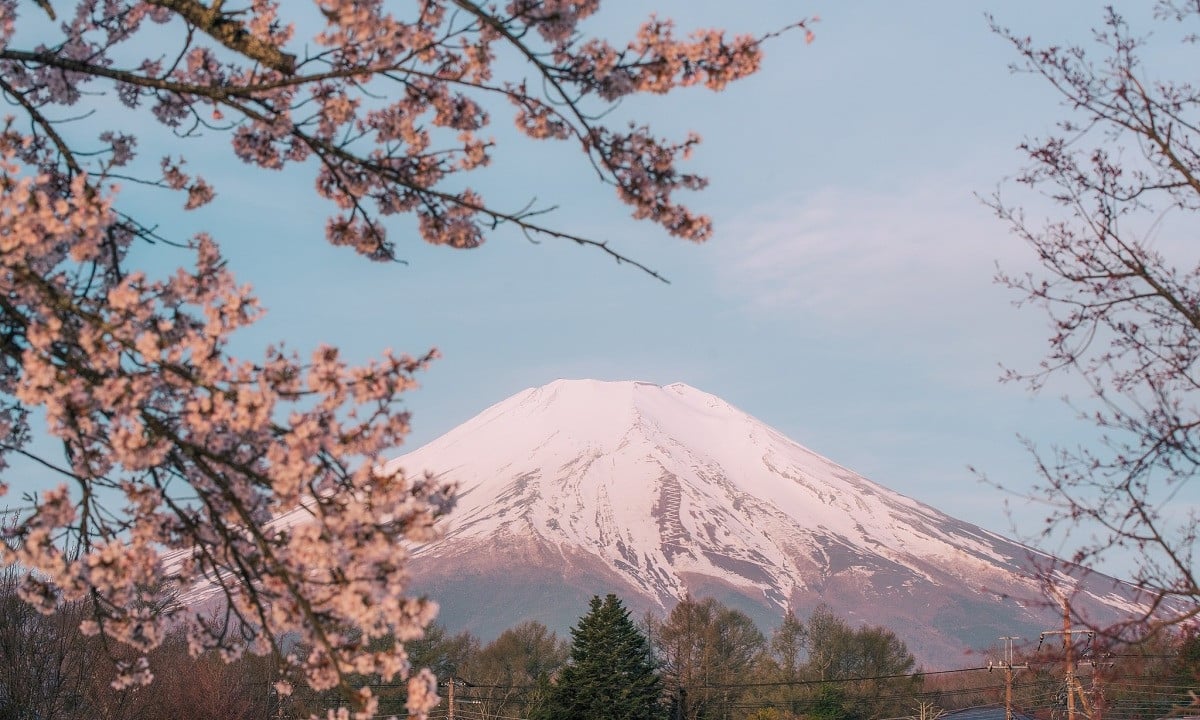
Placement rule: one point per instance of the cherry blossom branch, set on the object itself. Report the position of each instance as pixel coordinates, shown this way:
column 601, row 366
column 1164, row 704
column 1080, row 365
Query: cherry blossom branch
column 44, row 124
column 230, row 33
column 1125, row 310
column 131, row 372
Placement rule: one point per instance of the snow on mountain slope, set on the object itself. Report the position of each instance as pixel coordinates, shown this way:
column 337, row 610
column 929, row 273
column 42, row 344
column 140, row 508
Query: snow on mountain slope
column 652, row 478
column 669, row 490
column 584, row 487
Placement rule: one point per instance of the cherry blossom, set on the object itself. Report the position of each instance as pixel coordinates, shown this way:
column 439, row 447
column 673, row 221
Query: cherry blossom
column 177, row 456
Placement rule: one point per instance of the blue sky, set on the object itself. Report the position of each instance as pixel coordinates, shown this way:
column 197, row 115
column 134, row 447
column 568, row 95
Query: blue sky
column 846, row 298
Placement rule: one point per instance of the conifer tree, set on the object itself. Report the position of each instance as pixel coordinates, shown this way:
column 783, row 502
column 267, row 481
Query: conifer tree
column 611, row 674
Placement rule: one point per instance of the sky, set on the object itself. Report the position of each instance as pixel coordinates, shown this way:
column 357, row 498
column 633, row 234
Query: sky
column 846, row 299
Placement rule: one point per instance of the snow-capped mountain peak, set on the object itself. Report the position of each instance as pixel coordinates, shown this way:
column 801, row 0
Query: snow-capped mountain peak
column 659, row 480
column 583, row 485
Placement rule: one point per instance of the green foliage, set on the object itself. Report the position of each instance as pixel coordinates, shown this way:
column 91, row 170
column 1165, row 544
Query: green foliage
column 512, row 674
column 817, row 669
column 877, row 660
column 519, row 656
column 824, row 668
column 611, row 674
column 832, row 703
column 441, row 652
column 837, row 651
column 708, row 650
column 783, row 665
column 787, row 646
column 1187, row 666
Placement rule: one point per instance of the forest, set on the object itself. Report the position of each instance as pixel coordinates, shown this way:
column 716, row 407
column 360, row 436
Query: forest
column 701, row 661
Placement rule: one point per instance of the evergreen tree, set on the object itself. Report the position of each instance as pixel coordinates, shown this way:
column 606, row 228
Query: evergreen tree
column 611, row 674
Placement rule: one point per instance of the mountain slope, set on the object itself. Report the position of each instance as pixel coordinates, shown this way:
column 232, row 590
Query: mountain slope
column 582, row 487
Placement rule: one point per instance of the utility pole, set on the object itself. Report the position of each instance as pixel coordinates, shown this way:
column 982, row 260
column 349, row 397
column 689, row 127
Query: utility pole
column 1098, row 669
column 1074, row 688
column 451, row 707
column 1007, row 665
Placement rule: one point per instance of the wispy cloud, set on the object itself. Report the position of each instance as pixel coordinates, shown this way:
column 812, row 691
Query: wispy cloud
column 921, row 254
column 903, row 272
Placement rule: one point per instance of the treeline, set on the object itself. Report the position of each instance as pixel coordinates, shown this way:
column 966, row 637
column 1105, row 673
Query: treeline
column 1155, row 677
column 703, row 661
column 49, row 670
column 706, row 661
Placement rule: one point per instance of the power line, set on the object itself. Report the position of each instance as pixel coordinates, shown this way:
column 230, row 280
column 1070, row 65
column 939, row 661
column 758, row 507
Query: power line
column 782, row 683
column 470, row 685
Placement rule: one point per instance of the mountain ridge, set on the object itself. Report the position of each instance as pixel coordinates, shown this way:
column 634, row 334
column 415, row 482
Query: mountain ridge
column 666, row 490
column 656, row 493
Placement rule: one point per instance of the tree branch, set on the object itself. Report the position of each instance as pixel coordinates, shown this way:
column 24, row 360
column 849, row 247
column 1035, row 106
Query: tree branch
column 230, row 33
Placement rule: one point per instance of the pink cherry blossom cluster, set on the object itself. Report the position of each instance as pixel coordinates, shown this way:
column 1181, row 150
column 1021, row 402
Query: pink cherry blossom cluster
column 205, row 450
column 178, row 457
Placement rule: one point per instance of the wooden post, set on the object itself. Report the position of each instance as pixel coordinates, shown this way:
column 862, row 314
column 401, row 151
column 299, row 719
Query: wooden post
column 1069, row 654
column 1074, row 687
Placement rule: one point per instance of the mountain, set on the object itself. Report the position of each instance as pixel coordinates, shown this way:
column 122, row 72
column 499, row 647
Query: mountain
column 583, row 487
